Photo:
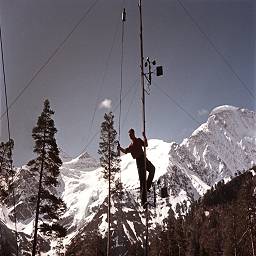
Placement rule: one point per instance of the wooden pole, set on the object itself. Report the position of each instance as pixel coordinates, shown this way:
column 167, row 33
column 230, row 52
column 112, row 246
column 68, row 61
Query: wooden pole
column 143, row 121
column 109, row 191
column 251, row 236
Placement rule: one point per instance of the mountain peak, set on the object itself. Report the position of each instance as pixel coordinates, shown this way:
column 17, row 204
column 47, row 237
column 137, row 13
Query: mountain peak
column 84, row 155
column 219, row 147
column 223, row 108
column 83, row 161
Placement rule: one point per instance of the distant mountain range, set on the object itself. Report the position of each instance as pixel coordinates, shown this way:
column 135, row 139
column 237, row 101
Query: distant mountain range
column 219, row 148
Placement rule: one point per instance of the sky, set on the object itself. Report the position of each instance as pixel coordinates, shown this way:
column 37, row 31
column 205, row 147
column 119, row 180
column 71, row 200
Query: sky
column 70, row 52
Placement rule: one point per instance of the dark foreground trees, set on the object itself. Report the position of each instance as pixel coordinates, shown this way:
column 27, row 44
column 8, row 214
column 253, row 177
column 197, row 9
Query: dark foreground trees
column 6, row 172
column 49, row 206
column 223, row 221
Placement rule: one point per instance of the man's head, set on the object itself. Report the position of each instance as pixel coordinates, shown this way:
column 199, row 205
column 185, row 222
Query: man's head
column 131, row 133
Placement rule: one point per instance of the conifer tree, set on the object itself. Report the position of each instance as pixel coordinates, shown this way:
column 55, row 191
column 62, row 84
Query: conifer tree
column 6, row 171
column 47, row 163
column 107, row 148
column 109, row 158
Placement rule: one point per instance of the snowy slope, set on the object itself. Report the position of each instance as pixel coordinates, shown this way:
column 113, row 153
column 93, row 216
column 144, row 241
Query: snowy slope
column 85, row 189
column 83, row 186
column 86, row 192
column 219, row 148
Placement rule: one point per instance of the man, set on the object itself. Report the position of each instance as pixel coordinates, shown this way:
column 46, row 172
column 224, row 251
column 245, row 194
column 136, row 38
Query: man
column 136, row 150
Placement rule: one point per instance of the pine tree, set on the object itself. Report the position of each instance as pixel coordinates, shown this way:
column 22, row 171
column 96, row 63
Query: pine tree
column 47, row 163
column 109, row 159
column 6, row 172
column 107, row 148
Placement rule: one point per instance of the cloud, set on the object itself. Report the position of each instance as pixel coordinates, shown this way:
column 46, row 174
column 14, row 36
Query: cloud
column 106, row 103
column 202, row 112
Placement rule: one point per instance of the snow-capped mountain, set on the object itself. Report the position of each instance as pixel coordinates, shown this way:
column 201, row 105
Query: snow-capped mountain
column 82, row 162
column 219, row 148
column 73, row 172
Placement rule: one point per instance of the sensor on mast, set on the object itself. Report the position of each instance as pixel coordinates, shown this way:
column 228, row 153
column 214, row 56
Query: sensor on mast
column 124, row 15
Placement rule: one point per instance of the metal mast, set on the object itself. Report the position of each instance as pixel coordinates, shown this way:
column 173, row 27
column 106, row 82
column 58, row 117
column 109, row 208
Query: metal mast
column 109, row 193
column 143, row 120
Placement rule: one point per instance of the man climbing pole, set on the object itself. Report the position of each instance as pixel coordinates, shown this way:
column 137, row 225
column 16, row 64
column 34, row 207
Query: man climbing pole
column 136, row 150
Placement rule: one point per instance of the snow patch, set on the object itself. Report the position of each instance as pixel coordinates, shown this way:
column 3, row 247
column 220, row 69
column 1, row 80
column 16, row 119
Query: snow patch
column 223, row 108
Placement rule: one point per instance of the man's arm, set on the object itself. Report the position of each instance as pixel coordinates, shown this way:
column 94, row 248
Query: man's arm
column 123, row 150
column 145, row 139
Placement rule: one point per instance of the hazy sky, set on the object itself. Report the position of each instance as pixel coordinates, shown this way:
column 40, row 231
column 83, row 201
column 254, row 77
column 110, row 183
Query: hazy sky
column 207, row 49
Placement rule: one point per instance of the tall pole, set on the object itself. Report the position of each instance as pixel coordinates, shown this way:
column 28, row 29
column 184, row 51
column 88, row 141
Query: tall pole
column 144, row 122
column 9, row 139
column 142, row 71
column 251, row 236
column 109, row 180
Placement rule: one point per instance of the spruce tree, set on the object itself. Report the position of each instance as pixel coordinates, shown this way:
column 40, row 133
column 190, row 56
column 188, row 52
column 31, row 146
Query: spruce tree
column 109, row 159
column 6, row 172
column 49, row 207
column 107, row 148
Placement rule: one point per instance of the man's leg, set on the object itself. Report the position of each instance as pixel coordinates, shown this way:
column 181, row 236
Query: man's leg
column 142, row 177
column 151, row 169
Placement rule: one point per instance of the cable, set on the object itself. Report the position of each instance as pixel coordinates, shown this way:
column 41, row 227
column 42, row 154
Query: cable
column 132, row 199
column 177, row 104
column 221, row 55
column 59, row 47
column 10, row 144
column 103, row 80
column 121, row 74
column 114, row 109
column 129, row 107
column 120, row 111
column 104, row 73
